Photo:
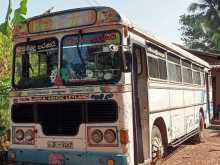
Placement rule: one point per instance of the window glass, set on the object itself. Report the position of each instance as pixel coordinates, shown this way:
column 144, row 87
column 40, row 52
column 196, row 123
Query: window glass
column 186, row 63
column 35, row 63
column 187, row 75
column 196, row 78
column 153, row 49
column 18, row 69
column 174, row 69
column 173, row 58
column 196, row 67
column 157, row 68
column 162, row 69
column 153, row 67
column 138, row 52
column 174, row 72
column 91, row 57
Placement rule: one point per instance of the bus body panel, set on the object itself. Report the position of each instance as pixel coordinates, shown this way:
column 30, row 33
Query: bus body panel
column 45, row 156
column 80, row 151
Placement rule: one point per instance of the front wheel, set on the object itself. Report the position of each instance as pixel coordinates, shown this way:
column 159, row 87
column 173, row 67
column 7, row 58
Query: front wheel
column 157, row 148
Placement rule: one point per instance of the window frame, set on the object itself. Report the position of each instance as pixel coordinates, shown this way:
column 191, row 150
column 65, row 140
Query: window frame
column 180, row 64
column 156, row 55
column 200, row 70
column 187, row 67
column 176, row 64
column 86, row 82
column 142, row 52
column 26, row 43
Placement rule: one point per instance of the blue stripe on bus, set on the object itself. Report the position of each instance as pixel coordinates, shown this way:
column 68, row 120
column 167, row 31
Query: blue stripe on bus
column 41, row 156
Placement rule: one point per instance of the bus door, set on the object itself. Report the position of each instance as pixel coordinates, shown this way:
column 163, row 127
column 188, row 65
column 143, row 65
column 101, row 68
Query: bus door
column 140, row 104
column 209, row 91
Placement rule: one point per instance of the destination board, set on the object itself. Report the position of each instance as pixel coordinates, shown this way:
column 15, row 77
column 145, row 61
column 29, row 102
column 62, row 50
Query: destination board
column 62, row 21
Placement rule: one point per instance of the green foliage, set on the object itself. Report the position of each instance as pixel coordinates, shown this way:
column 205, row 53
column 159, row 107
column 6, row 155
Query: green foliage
column 4, row 104
column 193, row 35
column 6, row 59
column 5, row 27
column 201, row 27
column 19, row 17
column 5, row 70
column 19, row 14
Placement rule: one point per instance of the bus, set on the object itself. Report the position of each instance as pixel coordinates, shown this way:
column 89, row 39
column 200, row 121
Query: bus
column 91, row 88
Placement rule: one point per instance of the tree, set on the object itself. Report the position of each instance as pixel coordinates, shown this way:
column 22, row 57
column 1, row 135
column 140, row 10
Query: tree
column 19, row 17
column 200, row 27
column 6, row 29
column 193, row 35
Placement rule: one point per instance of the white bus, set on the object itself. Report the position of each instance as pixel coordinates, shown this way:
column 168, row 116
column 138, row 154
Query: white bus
column 89, row 88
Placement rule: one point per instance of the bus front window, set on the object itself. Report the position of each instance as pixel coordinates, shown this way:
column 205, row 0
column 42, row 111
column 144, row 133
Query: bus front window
column 93, row 57
column 34, row 63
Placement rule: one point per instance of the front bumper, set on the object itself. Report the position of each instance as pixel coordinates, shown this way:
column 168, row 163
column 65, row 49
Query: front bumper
column 61, row 157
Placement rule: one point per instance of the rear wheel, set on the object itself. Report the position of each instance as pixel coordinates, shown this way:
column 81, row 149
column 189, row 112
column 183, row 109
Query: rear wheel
column 157, row 147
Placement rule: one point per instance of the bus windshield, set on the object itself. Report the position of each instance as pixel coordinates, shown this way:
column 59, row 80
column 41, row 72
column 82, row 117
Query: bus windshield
column 34, row 62
column 93, row 57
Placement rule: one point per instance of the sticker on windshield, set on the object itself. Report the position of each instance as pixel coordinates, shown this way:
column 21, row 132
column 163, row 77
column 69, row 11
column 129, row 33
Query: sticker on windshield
column 53, row 75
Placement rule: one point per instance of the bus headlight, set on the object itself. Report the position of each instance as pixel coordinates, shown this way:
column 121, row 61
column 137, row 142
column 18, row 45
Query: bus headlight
column 19, row 134
column 110, row 136
column 97, row 136
column 29, row 135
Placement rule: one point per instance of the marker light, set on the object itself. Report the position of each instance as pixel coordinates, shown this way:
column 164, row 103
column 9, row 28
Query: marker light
column 97, row 136
column 110, row 136
column 19, row 134
column 124, row 137
column 29, row 135
column 111, row 162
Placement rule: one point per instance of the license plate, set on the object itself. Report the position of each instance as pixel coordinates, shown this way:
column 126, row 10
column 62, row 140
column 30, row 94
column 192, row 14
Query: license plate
column 60, row 144
column 56, row 159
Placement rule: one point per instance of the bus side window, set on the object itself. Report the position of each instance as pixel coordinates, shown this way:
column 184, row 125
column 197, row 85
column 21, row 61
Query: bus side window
column 156, row 60
column 174, row 68
column 138, row 51
column 196, row 74
column 187, row 72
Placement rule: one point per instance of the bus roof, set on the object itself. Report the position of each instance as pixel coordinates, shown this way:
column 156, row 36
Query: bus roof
column 81, row 17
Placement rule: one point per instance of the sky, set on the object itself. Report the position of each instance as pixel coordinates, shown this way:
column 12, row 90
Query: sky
column 160, row 17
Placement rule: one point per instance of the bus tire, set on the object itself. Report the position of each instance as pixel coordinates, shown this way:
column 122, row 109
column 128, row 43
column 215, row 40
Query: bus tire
column 199, row 138
column 157, row 148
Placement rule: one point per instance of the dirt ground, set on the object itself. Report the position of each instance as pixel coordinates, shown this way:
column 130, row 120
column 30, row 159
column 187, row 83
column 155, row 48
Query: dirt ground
column 207, row 153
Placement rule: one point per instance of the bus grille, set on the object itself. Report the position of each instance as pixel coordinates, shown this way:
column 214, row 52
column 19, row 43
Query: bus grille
column 59, row 119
